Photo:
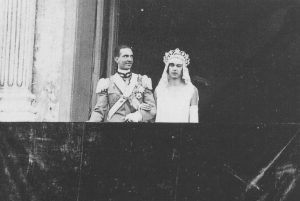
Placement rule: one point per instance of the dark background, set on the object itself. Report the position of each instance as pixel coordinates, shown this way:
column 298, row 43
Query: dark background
column 244, row 53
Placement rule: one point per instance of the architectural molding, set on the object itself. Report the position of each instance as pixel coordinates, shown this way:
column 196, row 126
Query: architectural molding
column 68, row 60
column 113, row 34
column 98, row 56
column 16, row 59
column 83, row 60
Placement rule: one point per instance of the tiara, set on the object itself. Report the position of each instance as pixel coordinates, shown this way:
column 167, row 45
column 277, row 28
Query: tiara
column 177, row 53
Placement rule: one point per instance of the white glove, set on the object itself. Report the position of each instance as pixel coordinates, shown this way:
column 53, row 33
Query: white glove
column 134, row 117
column 194, row 114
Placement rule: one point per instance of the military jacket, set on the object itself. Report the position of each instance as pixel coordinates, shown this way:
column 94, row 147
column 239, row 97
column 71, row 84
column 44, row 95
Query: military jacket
column 110, row 90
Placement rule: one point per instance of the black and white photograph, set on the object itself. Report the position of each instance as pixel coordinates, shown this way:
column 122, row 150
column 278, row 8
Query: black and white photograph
column 149, row 100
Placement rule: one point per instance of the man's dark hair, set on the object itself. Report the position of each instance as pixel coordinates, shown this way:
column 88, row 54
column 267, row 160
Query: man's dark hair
column 118, row 48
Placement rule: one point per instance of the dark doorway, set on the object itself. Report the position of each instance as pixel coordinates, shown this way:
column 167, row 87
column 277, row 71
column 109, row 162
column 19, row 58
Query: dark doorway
column 243, row 53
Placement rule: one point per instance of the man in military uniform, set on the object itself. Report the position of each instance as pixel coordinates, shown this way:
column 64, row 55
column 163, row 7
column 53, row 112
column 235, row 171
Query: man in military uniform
column 125, row 96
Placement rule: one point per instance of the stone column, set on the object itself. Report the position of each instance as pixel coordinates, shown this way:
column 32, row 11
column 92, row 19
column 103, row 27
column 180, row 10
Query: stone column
column 17, row 30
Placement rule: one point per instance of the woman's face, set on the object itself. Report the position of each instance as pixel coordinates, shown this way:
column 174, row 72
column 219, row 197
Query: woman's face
column 175, row 68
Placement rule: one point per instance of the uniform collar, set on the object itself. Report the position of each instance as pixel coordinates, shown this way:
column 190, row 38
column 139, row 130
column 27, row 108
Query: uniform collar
column 124, row 73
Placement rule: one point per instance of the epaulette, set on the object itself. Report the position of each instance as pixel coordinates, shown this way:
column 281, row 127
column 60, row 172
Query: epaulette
column 146, row 82
column 102, row 85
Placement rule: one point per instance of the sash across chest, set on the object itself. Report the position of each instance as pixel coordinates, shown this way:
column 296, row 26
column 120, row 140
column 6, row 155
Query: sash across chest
column 126, row 91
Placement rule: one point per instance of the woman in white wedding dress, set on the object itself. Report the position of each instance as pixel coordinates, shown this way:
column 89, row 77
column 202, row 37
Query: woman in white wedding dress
column 176, row 97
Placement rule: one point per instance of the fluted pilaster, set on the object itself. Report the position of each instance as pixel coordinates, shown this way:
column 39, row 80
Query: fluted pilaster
column 17, row 32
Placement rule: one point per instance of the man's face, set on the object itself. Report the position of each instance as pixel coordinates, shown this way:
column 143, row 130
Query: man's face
column 175, row 68
column 125, row 59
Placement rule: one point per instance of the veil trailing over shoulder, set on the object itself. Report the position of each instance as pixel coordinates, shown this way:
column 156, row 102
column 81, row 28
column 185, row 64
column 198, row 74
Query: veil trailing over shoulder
column 163, row 82
column 177, row 103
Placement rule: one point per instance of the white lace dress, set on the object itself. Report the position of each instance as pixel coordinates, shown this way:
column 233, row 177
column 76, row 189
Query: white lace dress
column 173, row 103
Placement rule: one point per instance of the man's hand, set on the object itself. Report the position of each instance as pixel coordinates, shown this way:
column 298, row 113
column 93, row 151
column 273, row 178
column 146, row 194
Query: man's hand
column 145, row 106
column 134, row 117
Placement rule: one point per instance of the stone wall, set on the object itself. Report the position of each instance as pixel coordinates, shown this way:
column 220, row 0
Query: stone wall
column 37, row 41
column 48, row 76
